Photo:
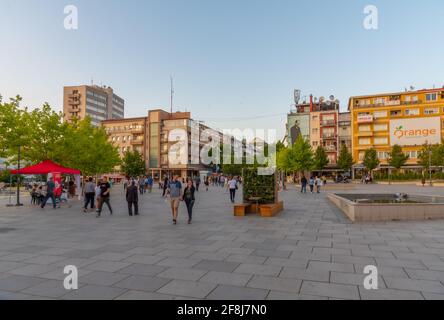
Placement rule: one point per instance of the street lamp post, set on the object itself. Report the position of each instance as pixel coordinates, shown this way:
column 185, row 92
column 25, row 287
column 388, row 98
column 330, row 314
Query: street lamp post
column 18, row 204
column 430, row 165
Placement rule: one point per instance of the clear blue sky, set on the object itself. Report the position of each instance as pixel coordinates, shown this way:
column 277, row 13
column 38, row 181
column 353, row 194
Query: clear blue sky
column 231, row 58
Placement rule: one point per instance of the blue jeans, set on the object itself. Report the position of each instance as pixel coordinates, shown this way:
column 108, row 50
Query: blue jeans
column 53, row 199
column 304, row 188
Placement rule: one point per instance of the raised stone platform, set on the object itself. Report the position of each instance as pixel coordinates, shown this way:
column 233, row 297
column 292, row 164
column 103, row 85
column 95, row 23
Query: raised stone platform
column 362, row 208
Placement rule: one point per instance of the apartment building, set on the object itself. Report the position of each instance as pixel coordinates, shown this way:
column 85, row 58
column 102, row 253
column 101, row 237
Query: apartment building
column 409, row 119
column 99, row 103
column 321, row 123
column 158, row 137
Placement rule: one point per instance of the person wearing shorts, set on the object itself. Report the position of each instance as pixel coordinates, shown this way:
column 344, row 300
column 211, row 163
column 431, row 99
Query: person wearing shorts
column 175, row 192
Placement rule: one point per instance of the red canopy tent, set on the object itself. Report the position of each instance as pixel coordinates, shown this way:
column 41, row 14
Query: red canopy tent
column 49, row 167
column 46, row 167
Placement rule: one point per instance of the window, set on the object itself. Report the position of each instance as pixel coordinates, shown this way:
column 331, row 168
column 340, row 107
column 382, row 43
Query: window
column 364, row 141
column 381, row 140
column 412, row 154
column 379, row 101
column 431, row 111
column 364, row 128
column 363, row 114
column 431, row 97
column 315, row 130
column 383, row 155
column 380, row 114
column 314, row 118
column 412, row 112
column 396, row 113
column 361, row 155
column 380, row 127
column 415, row 98
column 407, row 98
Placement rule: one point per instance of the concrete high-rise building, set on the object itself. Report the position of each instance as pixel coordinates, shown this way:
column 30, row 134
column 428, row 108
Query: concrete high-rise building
column 99, row 103
column 320, row 122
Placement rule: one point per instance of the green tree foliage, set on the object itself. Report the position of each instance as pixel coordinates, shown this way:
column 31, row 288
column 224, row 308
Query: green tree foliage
column 41, row 134
column 371, row 161
column 345, row 159
column 320, row 159
column 133, row 164
column 436, row 156
column 397, row 158
column 298, row 157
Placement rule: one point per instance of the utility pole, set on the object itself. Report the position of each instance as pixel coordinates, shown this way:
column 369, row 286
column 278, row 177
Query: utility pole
column 172, row 94
column 18, row 204
column 430, row 165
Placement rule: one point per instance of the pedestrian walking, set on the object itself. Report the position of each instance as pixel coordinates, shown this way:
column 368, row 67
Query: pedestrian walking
column 318, row 182
column 197, row 182
column 175, row 192
column 50, row 187
column 88, row 194
column 150, row 182
column 207, row 183
column 105, row 189
column 132, row 198
column 141, row 185
column 165, row 186
column 311, row 183
column 304, row 184
column 232, row 186
column 97, row 194
column 189, row 199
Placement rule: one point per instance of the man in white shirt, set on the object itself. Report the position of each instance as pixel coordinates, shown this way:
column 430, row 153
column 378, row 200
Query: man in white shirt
column 232, row 186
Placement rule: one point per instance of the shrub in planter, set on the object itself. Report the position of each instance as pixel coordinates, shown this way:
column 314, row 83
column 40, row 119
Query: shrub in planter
column 255, row 185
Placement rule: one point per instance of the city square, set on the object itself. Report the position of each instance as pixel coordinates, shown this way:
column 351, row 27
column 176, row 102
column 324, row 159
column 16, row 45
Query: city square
column 229, row 157
column 309, row 251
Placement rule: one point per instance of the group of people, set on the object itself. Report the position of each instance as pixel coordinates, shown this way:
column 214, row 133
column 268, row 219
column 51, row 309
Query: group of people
column 96, row 194
column 314, row 181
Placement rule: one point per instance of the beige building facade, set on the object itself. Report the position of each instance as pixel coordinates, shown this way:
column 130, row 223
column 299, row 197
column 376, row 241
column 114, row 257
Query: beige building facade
column 159, row 138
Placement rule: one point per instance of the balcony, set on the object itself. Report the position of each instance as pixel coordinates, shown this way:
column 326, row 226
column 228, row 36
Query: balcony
column 74, row 96
column 136, row 142
column 74, row 102
column 330, row 149
column 365, row 134
column 137, row 130
column 329, row 136
column 328, row 123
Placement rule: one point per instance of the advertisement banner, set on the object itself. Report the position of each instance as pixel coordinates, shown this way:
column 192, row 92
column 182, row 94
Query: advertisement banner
column 57, row 176
column 416, row 131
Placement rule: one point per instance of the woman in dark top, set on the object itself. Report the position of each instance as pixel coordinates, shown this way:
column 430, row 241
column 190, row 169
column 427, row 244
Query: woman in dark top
column 188, row 197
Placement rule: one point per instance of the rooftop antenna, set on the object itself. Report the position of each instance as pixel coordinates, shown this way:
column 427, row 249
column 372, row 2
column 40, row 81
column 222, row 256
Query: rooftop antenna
column 92, row 81
column 297, row 96
column 172, row 94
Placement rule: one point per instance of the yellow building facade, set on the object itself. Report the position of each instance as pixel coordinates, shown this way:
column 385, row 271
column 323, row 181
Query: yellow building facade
column 409, row 119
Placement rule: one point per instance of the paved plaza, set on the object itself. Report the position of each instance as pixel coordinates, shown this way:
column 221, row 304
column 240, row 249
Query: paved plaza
column 310, row 251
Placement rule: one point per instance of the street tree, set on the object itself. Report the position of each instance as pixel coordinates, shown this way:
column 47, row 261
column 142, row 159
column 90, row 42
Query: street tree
column 371, row 161
column 133, row 164
column 320, row 159
column 397, row 158
column 345, row 159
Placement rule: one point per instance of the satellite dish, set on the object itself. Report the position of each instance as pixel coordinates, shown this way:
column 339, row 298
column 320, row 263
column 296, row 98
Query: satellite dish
column 321, row 99
column 297, row 96
column 315, row 99
column 332, row 98
column 337, row 101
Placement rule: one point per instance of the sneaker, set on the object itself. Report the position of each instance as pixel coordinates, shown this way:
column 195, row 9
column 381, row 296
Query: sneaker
column 98, row 216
